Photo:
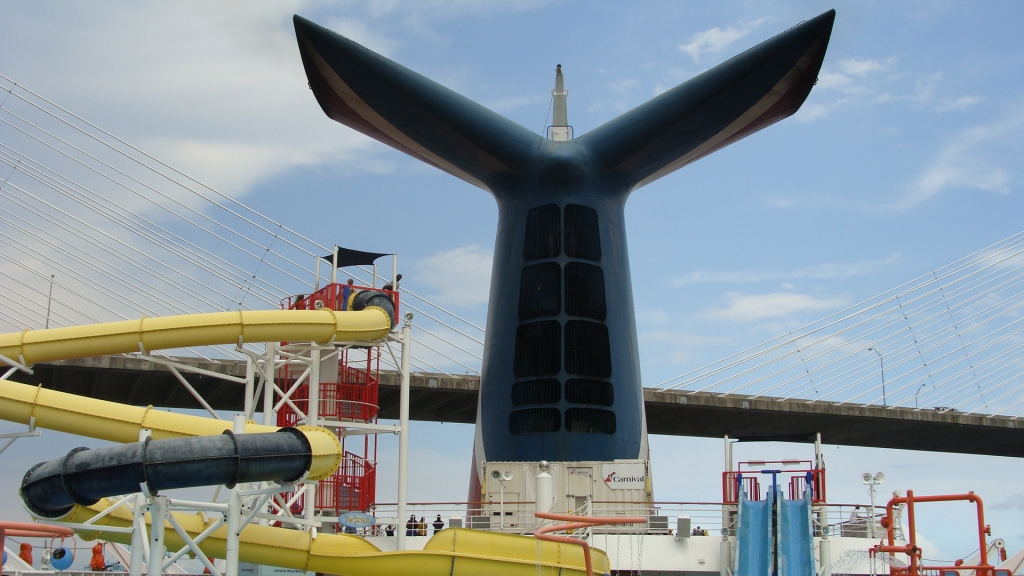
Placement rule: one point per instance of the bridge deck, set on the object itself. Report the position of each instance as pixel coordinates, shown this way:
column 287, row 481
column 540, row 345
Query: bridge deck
column 441, row 398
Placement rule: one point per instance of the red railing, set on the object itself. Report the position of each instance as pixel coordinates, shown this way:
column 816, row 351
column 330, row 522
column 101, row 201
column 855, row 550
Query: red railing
column 730, row 488
column 353, row 398
column 353, row 487
column 333, row 296
column 797, row 484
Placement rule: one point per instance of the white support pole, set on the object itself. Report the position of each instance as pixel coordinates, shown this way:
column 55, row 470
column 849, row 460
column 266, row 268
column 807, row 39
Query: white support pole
column 726, row 513
column 309, row 508
column 233, row 515
column 157, row 545
column 394, row 270
column 374, row 283
column 269, row 418
column 825, row 546
column 724, row 557
column 138, row 550
column 403, row 434
column 545, row 491
column 248, row 403
column 316, row 283
column 825, row 556
column 231, row 546
column 871, row 519
column 313, row 419
column 334, row 265
column 313, row 409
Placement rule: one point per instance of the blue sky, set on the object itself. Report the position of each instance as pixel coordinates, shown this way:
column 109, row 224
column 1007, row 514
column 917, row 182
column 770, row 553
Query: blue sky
column 904, row 158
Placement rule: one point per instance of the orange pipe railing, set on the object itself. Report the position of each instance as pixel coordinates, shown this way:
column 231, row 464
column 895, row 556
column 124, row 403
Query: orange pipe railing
column 31, row 530
column 911, row 549
column 577, row 522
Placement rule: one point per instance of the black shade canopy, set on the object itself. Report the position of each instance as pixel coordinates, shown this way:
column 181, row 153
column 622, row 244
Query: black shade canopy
column 347, row 257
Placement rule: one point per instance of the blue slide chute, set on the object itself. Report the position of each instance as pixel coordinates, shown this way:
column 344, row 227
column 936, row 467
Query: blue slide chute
column 796, row 537
column 754, row 537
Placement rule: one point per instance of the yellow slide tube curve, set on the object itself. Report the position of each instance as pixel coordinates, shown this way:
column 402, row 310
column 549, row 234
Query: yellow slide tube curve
column 146, row 334
column 121, row 423
column 452, row 552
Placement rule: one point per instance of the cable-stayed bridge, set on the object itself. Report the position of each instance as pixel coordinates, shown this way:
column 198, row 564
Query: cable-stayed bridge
column 949, row 341
column 95, row 229
column 446, row 398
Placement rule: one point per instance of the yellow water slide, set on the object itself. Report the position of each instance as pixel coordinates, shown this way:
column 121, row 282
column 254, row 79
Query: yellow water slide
column 456, row 552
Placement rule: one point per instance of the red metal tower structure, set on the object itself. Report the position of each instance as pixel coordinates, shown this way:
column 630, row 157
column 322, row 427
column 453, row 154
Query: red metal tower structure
column 350, row 395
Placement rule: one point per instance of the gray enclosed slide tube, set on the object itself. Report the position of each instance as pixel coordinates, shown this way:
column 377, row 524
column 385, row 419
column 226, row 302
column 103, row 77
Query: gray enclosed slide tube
column 51, row 489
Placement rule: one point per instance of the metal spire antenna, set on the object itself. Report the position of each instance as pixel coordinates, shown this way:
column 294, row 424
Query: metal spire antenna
column 560, row 130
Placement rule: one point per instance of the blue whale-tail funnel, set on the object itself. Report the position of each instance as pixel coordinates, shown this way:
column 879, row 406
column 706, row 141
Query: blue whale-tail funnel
column 561, row 370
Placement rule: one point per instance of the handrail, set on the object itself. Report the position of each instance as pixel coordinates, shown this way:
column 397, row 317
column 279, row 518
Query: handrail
column 576, row 522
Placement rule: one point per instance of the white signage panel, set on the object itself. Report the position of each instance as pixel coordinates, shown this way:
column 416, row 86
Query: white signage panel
column 625, row 475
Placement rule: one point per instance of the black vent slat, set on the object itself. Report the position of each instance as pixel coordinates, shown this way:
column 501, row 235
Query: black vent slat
column 584, row 291
column 584, row 391
column 540, row 291
column 590, row 421
column 582, row 237
column 587, row 350
column 543, row 233
column 535, row 421
column 538, row 349
column 547, row 391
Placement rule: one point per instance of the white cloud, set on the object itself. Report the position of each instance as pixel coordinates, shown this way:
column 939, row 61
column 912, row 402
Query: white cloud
column 810, row 200
column 855, row 67
column 677, row 347
column 441, row 10
column 832, row 81
column 959, row 165
column 215, row 90
column 948, row 104
column 1012, row 502
column 929, row 548
column 815, row 110
column 715, row 39
column 624, row 84
column 359, row 32
column 876, row 82
column 854, row 76
column 460, row 277
column 821, row 271
column 749, row 308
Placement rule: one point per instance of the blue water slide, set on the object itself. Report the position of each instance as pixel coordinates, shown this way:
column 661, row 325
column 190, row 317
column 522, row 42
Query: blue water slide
column 796, row 537
column 754, row 537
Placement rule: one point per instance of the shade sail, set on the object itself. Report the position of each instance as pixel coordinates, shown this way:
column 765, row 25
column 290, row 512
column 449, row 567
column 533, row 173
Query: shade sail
column 348, row 257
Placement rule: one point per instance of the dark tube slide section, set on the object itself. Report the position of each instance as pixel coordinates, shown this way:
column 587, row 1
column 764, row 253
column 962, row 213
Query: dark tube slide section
column 51, row 489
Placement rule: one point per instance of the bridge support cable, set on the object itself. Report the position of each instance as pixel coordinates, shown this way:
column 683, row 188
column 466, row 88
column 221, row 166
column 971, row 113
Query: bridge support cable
column 949, row 336
column 686, row 379
column 892, row 321
column 115, row 278
column 135, row 223
column 179, row 223
column 121, row 255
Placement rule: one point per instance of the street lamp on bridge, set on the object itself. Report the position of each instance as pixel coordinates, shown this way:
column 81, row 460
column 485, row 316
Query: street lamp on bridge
column 881, row 365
